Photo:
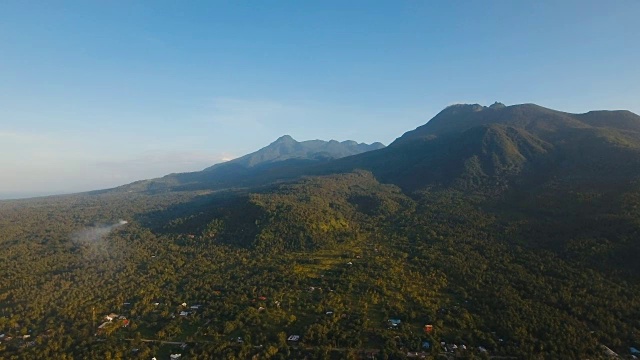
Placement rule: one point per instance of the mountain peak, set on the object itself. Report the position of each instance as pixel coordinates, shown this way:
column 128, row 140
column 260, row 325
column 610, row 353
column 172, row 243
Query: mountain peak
column 458, row 118
column 287, row 148
column 462, row 108
column 285, row 139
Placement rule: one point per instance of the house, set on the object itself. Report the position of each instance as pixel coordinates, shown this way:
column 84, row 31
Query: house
column 609, row 352
column 293, row 338
column 394, row 322
column 183, row 313
column 634, row 351
column 329, row 313
column 111, row 316
column 175, row 356
column 184, row 304
column 415, row 354
column 263, row 298
column 195, row 307
column 426, row 345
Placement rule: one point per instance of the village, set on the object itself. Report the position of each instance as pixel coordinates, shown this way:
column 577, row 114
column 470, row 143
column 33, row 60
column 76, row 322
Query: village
column 176, row 329
column 190, row 326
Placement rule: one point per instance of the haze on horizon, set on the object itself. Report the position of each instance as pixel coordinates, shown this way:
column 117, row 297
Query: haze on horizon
column 98, row 95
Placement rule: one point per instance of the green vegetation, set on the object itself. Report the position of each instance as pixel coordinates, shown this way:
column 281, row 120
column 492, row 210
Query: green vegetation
column 501, row 240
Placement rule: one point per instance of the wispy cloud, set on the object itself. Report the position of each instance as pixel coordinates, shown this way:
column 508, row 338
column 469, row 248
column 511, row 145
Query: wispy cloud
column 90, row 241
column 94, row 233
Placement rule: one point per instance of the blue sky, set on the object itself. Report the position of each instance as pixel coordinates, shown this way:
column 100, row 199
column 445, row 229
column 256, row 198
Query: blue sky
column 97, row 94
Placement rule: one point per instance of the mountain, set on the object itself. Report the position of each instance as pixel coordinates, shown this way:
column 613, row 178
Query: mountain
column 566, row 176
column 511, row 229
column 286, row 148
column 470, row 147
column 281, row 158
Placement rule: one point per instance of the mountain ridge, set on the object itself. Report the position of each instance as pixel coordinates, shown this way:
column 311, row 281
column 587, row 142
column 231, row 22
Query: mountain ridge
column 285, row 155
column 286, row 147
column 466, row 146
column 532, row 117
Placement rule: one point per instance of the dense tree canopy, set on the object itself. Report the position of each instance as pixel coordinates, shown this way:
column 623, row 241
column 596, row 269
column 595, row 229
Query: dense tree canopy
column 331, row 259
column 509, row 231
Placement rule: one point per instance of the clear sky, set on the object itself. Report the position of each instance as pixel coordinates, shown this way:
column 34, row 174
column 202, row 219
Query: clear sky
column 95, row 94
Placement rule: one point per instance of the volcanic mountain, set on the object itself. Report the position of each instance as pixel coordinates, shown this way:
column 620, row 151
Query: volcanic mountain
column 283, row 155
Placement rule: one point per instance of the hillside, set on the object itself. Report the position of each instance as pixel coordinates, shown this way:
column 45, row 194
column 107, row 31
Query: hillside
column 511, row 230
column 472, row 147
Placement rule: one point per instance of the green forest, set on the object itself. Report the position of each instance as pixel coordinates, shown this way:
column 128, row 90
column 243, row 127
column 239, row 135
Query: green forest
column 489, row 233
column 331, row 259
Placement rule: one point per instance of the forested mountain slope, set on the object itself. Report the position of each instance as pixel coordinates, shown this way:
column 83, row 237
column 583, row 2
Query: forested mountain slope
column 510, row 230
